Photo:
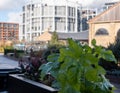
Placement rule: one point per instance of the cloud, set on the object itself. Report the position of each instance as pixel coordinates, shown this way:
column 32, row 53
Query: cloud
column 3, row 3
column 14, row 17
column 11, row 4
column 15, row 4
column 14, row 7
column 99, row 3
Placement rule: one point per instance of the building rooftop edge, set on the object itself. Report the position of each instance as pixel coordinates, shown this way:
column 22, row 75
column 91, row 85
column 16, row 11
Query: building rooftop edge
column 10, row 22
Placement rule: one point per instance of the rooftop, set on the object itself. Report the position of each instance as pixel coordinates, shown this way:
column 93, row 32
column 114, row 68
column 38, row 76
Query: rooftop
column 76, row 36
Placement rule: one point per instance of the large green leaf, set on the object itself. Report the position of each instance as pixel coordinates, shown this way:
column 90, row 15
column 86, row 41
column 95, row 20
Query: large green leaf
column 53, row 57
column 76, row 68
column 107, row 55
column 45, row 69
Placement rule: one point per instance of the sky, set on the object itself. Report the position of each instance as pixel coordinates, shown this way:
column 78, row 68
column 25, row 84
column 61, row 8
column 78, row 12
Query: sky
column 10, row 10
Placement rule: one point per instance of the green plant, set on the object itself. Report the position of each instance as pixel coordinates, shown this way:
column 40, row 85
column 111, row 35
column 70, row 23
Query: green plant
column 8, row 47
column 76, row 69
column 50, row 50
column 30, row 67
column 54, row 39
column 115, row 48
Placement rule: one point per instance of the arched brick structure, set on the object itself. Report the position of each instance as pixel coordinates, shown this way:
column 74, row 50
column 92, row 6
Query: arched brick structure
column 109, row 20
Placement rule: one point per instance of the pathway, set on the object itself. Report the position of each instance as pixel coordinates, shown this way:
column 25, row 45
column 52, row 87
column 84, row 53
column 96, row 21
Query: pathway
column 7, row 63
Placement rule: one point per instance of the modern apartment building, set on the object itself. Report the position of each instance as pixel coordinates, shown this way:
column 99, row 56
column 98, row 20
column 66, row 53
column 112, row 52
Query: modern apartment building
column 9, row 31
column 108, row 5
column 59, row 17
column 87, row 14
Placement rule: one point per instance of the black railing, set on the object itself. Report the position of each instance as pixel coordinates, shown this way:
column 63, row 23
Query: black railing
column 4, row 74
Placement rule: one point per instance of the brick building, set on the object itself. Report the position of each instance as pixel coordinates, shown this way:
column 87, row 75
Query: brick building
column 9, row 31
column 105, row 27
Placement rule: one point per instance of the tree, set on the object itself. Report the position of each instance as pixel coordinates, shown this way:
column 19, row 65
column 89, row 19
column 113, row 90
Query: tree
column 54, row 39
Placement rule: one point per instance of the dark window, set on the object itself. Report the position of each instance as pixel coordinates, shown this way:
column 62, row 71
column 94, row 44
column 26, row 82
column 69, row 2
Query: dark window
column 23, row 8
column 101, row 31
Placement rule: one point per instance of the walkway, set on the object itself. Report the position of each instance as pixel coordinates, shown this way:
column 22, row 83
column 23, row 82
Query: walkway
column 7, row 63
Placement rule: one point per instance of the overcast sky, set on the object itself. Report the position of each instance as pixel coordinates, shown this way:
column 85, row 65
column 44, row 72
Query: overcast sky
column 10, row 9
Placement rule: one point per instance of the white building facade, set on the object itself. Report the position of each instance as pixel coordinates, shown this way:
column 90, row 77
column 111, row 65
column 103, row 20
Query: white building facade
column 59, row 17
column 87, row 14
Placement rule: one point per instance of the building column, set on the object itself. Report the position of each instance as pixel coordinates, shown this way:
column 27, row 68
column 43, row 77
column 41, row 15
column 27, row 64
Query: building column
column 30, row 18
column 66, row 16
column 41, row 6
column 76, row 19
column 25, row 24
column 53, row 25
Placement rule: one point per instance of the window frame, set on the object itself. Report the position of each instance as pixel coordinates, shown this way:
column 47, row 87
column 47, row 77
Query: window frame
column 101, row 31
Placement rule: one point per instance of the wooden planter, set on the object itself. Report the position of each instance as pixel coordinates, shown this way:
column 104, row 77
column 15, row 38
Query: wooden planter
column 18, row 84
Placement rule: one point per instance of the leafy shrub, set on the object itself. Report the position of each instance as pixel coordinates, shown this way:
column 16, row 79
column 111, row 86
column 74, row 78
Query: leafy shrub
column 31, row 66
column 76, row 69
column 12, row 51
column 50, row 50
column 115, row 48
column 8, row 47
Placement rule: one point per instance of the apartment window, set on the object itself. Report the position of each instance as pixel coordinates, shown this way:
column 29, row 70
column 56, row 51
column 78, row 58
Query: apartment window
column 101, row 31
column 5, row 25
column 71, row 11
column 38, row 34
column 71, row 24
column 32, row 7
column 10, row 25
column 35, row 28
column 23, row 8
column 14, row 25
column 47, row 22
column 90, row 17
column 1, row 25
column 39, row 28
column 60, row 24
column 5, row 29
column 60, row 10
column 94, row 12
column 23, row 29
column 1, row 30
column 24, row 18
column 47, row 10
column 84, row 24
column 83, row 12
column 28, row 7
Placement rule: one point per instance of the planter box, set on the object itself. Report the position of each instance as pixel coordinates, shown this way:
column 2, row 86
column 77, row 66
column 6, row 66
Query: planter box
column 5, row 70
column 19, row 84
column 3, row 81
